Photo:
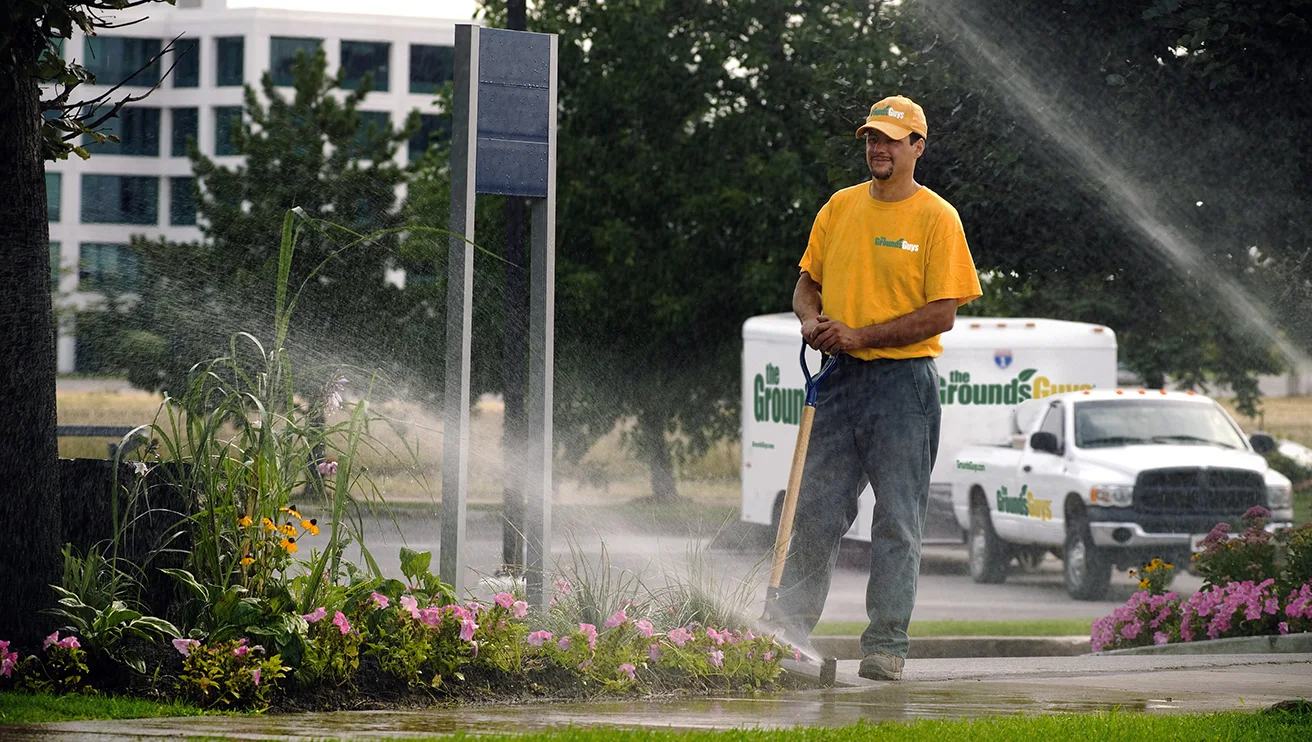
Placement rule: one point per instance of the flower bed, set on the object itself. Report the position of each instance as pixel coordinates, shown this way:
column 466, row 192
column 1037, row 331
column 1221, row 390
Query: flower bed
column 270, row 611
column 1256, row 583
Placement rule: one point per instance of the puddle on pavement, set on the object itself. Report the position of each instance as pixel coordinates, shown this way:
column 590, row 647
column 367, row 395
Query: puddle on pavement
column 834, row 707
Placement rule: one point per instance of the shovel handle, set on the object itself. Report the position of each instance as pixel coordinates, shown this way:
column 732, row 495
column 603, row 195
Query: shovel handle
column 785, row 532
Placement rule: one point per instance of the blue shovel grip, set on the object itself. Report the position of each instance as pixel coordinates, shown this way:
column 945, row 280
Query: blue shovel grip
column 813, row 382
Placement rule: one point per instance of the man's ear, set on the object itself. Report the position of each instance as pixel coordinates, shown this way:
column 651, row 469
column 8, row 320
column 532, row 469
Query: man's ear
column 920, row 148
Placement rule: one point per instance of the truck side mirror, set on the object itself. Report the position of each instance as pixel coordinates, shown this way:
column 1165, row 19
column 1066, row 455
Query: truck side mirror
column 1262, row 443
column 1043, row 441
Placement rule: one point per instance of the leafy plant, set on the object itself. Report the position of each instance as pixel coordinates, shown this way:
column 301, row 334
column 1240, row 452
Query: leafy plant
column 415, row 567
column 107, row 631
column 227, row 614
column 1155, row 577
column 229, row 674
column 63, row 669
column 95, row 580
column 1250, row 556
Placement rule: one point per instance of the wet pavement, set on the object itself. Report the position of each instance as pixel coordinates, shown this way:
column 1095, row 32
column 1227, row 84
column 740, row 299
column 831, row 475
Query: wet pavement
column 930, row 689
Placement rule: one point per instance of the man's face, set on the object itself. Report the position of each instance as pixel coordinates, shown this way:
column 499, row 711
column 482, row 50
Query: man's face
column 886, row 155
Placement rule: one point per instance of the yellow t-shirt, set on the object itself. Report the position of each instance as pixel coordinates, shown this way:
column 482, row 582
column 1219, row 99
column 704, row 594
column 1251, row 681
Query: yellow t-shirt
column 879, row 260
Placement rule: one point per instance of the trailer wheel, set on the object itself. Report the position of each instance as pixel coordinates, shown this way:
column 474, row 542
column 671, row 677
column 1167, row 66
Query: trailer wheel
column 1086, row 570
column 988, row 554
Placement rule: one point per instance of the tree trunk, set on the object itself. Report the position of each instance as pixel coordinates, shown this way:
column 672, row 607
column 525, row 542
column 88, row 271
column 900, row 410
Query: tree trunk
column 29, row 454
column 656, row 452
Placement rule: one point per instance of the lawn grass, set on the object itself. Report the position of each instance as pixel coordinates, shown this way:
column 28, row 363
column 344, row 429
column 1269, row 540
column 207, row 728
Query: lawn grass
column 1230, row 726
column 1039, row 627
column 31, row 708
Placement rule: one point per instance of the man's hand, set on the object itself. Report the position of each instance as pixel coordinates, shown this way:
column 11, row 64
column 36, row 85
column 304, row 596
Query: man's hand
column 811, row 328
column 829, row 336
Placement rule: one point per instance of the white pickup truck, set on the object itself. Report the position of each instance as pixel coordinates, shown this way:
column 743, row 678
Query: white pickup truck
column 1106, row 478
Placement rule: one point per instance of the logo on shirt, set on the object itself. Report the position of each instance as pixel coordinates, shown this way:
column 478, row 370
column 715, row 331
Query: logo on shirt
column 887, row 111
column 899, row 244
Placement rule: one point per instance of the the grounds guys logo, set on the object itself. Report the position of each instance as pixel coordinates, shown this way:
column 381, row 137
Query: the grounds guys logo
column 887, row 111
column 773, row 403
column 957, row 389
column 899, row 244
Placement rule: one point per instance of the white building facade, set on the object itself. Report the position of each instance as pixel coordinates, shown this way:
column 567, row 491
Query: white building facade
column 142, row 185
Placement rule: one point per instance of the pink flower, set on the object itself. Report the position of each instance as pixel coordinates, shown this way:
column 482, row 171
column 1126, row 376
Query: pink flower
column 628, row 669
column 645, row 627
column 69, row 642
column 1132, row 629
column 1161, row 638
column 241, row 649
column 7, row 660
column 714, row 635
column 1283, row 627
column 616, row 618
column 255, row 675
column 327, row 468
column 316, row 615
column 339, row 620
column 505, row 600
column 589, row 631
column 473, row 646
column 768, row 656
column 1257, row 512
column 654, row 652
column 184, row 646
column 717, row 658
column 380, row 601
column 467, row 629
column 538, row 638
column 520, row 608
column 562, row 585
column 797, row 654
column 431, row 616
column 563, row 644
column 679, row 636
column 52, row 639
column 410, row 605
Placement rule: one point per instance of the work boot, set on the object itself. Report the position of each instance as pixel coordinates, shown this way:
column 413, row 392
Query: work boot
column 880, row 666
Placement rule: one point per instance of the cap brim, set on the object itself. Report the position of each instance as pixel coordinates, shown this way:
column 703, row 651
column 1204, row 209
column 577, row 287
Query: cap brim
column 892, row 130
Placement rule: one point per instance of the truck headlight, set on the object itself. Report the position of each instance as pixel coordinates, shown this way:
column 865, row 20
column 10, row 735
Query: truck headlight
column 1112, row 495
column 1279, row 496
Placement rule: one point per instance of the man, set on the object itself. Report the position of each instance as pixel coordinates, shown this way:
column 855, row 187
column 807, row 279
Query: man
column 886, row 267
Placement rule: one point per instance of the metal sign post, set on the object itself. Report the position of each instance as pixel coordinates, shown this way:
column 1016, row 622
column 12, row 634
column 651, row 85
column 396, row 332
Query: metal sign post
column 503, row 142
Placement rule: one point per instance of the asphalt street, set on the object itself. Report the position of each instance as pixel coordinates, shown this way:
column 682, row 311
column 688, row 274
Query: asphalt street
column 945, row 590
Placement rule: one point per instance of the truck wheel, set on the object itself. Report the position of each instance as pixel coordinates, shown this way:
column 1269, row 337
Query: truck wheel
column 1086, row 569
column 988, row 555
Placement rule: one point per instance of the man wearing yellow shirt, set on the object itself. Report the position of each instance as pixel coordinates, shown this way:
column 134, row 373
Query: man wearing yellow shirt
column 886, row 267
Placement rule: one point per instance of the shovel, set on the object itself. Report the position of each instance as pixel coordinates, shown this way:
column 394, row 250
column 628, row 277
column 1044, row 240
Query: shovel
column 785, row 533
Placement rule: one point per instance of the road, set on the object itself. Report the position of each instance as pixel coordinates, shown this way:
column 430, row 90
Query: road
column 945, row 590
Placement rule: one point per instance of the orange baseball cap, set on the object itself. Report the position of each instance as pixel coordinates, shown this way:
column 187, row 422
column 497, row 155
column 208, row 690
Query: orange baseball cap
column 896, row 116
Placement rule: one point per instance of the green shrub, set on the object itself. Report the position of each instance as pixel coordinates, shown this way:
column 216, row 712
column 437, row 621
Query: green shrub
column 229, row 675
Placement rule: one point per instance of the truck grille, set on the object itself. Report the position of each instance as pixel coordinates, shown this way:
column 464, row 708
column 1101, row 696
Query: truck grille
column 1221, row 493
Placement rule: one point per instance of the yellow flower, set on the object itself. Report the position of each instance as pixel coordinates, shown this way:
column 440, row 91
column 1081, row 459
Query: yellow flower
column 290, row 545
column 310, row 526
column 290, row 511
column 1168, row 566
column 247, row 561
column 1143, row 584
column 288, row 530
column 268, row 524
column 244, row 521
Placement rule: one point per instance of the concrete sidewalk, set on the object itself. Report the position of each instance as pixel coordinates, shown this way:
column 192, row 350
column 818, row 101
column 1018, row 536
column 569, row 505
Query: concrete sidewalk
column 933, row 688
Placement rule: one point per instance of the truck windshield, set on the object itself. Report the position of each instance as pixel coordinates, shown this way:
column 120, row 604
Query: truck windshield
column 1108, row 423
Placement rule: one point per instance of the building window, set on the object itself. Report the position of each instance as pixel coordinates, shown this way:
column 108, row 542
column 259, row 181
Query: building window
column 120, row 199
column 431, row 127
column 282, row 54
column 186, row 63
column 137, row 130
column 54, row 265
column 431, row 67
column 227, row 120
column 54, row 190
column 363, row 57
column 375, row 121
column 186, row 125
column 108, row 266
column 113, row 59
column 182, row 202
column 230, row 54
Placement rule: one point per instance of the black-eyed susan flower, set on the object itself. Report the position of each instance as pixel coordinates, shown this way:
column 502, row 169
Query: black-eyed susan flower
column 288, row 530
column 268, row 524
column 311, row 526
column 290, row 545
column 247, row 561
column 245, row 521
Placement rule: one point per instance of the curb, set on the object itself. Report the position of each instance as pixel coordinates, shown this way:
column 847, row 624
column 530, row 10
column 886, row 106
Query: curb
column 1275, row 644
column 960, row 647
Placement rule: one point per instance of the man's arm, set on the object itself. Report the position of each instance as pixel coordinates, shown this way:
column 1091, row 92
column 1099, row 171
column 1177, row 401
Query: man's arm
column 831, row 336
column 806, row 304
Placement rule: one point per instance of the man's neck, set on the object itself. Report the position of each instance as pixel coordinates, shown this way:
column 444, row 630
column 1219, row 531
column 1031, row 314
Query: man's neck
column 893, row 189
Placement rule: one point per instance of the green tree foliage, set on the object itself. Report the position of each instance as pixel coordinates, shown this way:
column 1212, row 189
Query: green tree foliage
column 309, row 150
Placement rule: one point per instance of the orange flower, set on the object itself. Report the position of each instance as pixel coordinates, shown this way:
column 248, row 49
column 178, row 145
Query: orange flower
column 244, row 521
column 290, row 511
column 288, row 530
column 268, row 524
column 247, row 561
column 309, row 525
column 290, row 545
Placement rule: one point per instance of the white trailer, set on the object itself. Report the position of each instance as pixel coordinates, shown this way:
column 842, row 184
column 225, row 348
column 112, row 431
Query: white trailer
column 988, row 367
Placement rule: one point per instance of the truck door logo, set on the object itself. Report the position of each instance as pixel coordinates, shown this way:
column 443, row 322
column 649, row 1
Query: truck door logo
column 1002, row 358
